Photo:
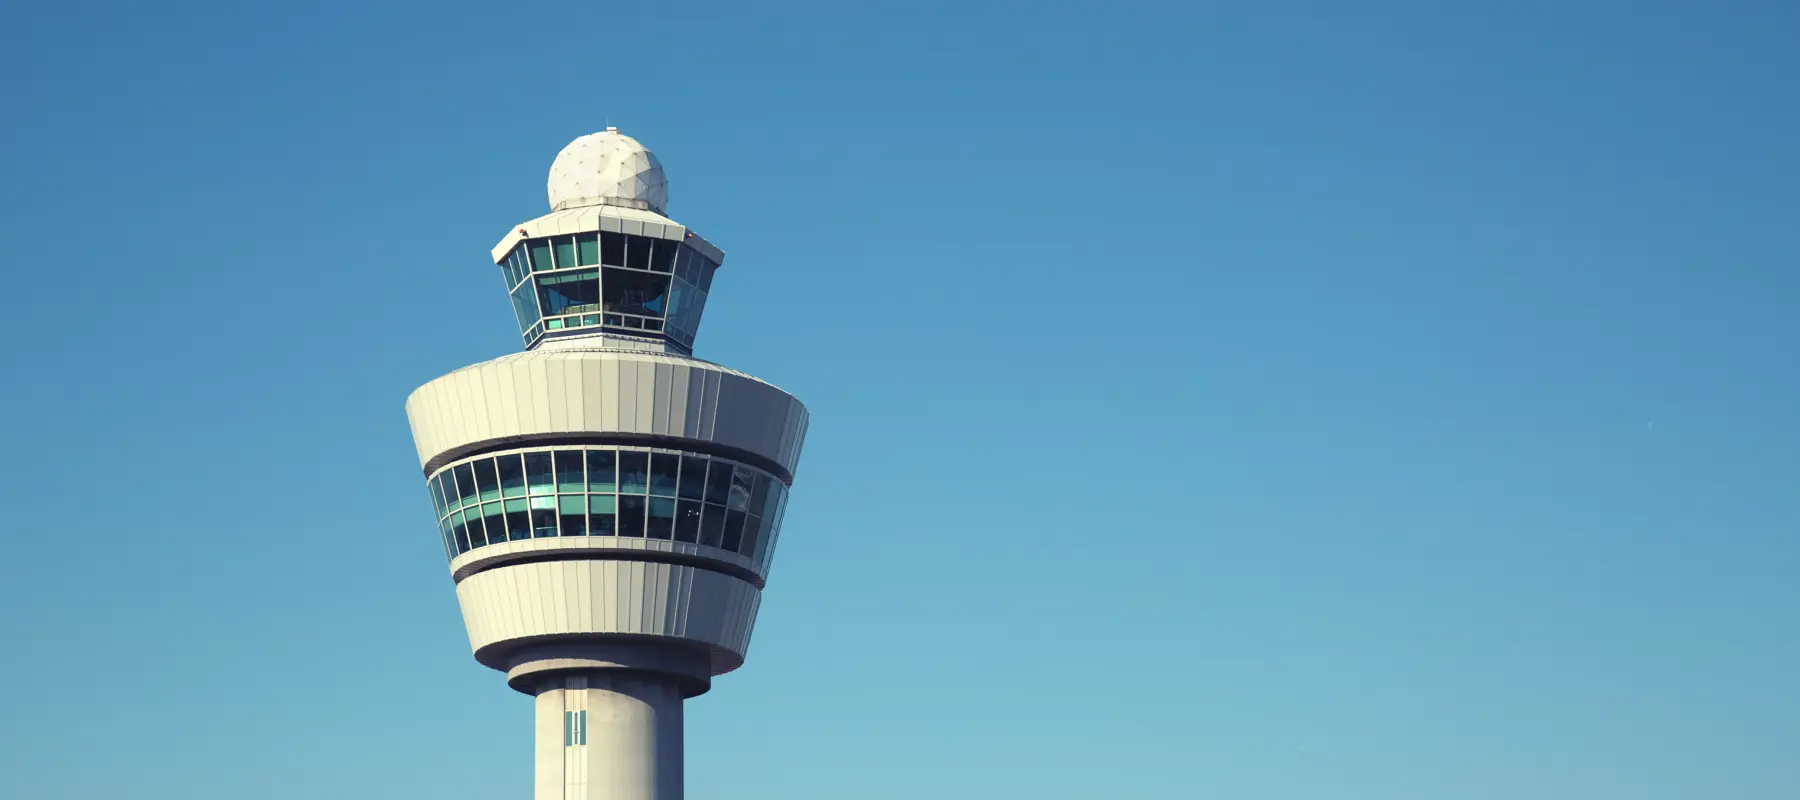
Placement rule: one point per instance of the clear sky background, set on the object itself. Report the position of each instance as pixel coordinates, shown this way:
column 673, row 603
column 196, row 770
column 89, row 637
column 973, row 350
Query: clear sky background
column 1237, row 400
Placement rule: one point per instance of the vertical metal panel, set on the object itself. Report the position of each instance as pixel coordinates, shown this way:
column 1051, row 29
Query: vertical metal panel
column 645, row 395
column 554, row 394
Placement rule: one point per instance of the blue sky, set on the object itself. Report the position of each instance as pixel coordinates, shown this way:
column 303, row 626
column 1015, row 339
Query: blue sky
column 1275, row 400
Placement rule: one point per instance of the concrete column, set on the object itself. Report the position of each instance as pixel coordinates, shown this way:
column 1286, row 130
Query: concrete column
column 609, row 736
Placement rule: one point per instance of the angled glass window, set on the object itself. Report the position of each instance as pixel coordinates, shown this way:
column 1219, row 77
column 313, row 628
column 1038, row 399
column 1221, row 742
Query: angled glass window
column 460, row 531
column 640, row 293
column 741, row 482
column 693, row 477
column 734, row 530
column 570, row 476
column 587, row 249
column 601, row 511
column 712, row 525
column 631, row 516
column 754, row 548
column 707, row 268
column 663, row 473
column 687, row 522
column 573, row 293
column 634, row 472
column 771, row 498
column 493, row 518
column 603, row 474
column 449, row 537
column 612, row 249
column 525, row 306
column 662, row 518
column 637, row 251
column 465, row 485
column 540, row 255
column 759, row 492
column 437, row 496
column 662, row 256
column 486, row 480
column 686, row 304
column 718, row 482
column 752, row 525
column 537, row 473
column 565, row 251
column 512, row 475
column 518, row 520
column 473, row 520
column 572, row 508
column 543, row 517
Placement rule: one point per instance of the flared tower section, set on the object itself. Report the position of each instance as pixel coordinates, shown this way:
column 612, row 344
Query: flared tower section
column 609, row 505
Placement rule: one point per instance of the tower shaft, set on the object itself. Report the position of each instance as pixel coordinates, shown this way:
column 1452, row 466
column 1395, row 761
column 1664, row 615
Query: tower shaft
column 609, row 736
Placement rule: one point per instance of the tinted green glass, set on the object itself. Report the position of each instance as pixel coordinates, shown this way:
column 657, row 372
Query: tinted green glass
column 612, row 249
column 486, row 479
column 465, row 485
column 662, row 518
column 663, row 470
column 572, row 511
column 565, row 251
column 518, row 520
column 570, row 476
column 634, row 472
column 603, row 473
column 601, row 508
column 540, row 256
column 537, row 473
column 460, row 531
column 631, row 516
column 512, row 475
column 572, row 293
column 543, row 516
column 476, row 537
column 642, row 293
column 493, row 518
column 587, row 249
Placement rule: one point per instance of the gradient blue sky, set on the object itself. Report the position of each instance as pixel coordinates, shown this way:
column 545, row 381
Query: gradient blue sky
column 1244, row 400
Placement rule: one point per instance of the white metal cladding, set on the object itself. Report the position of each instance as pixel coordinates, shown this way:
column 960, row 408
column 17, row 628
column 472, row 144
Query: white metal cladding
column 605, row 218
column 569, row 391
column 550, row 598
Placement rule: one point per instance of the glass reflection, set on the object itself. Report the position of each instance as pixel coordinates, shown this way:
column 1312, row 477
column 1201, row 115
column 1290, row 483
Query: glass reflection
column 571, row 492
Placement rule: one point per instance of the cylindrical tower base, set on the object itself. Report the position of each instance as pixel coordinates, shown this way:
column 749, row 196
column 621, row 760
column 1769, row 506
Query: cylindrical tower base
column 609, row 736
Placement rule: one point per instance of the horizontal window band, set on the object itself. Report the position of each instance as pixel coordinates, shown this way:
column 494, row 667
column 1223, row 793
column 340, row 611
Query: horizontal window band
column 695, row 446
column 607, row 554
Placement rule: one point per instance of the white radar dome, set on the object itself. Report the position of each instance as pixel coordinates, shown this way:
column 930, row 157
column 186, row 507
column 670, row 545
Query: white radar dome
column 607, row 168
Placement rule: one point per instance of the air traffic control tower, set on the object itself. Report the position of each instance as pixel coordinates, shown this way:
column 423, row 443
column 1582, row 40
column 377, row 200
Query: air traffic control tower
column 609, row 504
